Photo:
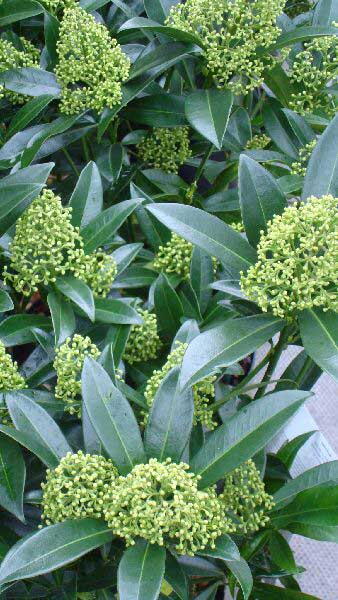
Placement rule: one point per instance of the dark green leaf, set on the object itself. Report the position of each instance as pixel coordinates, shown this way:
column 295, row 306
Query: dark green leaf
column 208, row 112
column 30, row 81
column 226, row 344
column 244, row 434
column 301, row 34
column 87, row 198
column 322, row 171
column 265, row 591
column 16, row 10
column 79, row 292
column 141, row 571
column 168, row 306
column 53, row 547
column 163, row 56
column 158, row 10
column 278, row 129
column 319, row 333
column 138, row 23
column 207, row 232
column 51, row 26
column 46, row 455
column 288, row 452
column 104, row 225
column 135, row 277
column 62, row 316
column 109, row 310
column 49, row 130
column 225, row 549
column 124, row 255
column 170, row 421
column 6, row 302
column 31, row 419
column 260, row 198
column 12, row 477
column 17, row 329
column 160, row 110
column 281, row 552
column 28, row 112
column 325, row 474
column 176, row 577
column 326, row 11
column 241, row 571
column 201, row 276
column 111, row 417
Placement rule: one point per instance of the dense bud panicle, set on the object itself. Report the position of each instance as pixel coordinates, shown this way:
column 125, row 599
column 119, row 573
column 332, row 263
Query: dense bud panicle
column 297, row 260
column 91, row 67
column 258, row 142
column 76, row 488
column 314, row 68
column 46, row 245
column 174, row 256
column 55, row 6
column 10, row 379
column 231, row 32
column 299, row 166
column 143, row 342
column 245, row 500
column 165, row 148
column 13, row 58
column 160, row 502
column 68, row 363
column 203, row 391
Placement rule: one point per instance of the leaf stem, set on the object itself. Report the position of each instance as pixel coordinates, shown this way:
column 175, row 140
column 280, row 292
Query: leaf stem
column 275, row 356
column 308, row 364
column 200, row 169
column 71, row 162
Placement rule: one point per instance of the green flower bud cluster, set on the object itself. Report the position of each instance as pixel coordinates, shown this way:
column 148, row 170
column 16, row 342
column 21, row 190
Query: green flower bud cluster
column 203, row 391
column 143, row 342
column 245, row 500
column 160, row 502
column 12, row 58
column 47, row 245
column 231, row 32
column 313, row 69
column 55, row 6
column 165, row 148
column 76, row 488
column 299, row 166
column 258, row 142
column 10, row 379
column 68, row 363
column 297, row 260
column 91, row 65
column 174, row 256
column 237, row 226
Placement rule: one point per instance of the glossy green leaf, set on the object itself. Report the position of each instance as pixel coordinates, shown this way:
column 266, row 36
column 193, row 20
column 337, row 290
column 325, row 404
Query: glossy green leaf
column 124, row 255
column 49, row 130
column 52, row 28
column 46, row 455
column 111, row 417
column 208, row 112
column 17, row 329
column 62, row 316
column 244, row 434
column 87, row 198
column 52, row 548
column 325, row 474
column 161, row 57
column 207, row 232
column 135, row 277
column 176, row 577
column 225, row 549
column 288, row 452
column 17, row 191
column 12, row 477
column 104, row 225
column 141, row 571
column 322, row 171
column 30, row 81
column 260, row 198
column 168, row 306
column 158, row 10
column 139, row 23
column 266, row 591
column 159, row 110
column 301, row 34
column 79, row 292
column 6, row 302
column 281, row 552
column 30, row 418
column 242, row 573
column 279, row 130
column 201, row 276
column 16, row 10
column 109, row 310
column 326, row 11
column 319, row 333
column 28, row 113
column 226, row 344
column 170, row 420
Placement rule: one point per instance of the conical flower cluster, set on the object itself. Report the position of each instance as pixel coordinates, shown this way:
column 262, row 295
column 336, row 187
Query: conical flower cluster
column 91, row 67
column 68, row 363
column 299, row 166
column 231, row 32
column 143, row 342
column 297, row 260
column 10, row 379
column 204, row 392
column 12, row 57
column 165, row 148
column 46, row 245
column 174, row 256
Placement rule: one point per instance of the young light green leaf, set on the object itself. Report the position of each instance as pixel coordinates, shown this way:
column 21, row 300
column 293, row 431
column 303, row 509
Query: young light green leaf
column 208, row 112
column 53, row 547
column 244, row 434
column 226, row 344
column 141, row 571
column 12, row 477
column 170, row 420
column 111, row 417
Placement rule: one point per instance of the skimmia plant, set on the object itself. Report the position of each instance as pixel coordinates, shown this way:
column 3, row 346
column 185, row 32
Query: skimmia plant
column 168, row 227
